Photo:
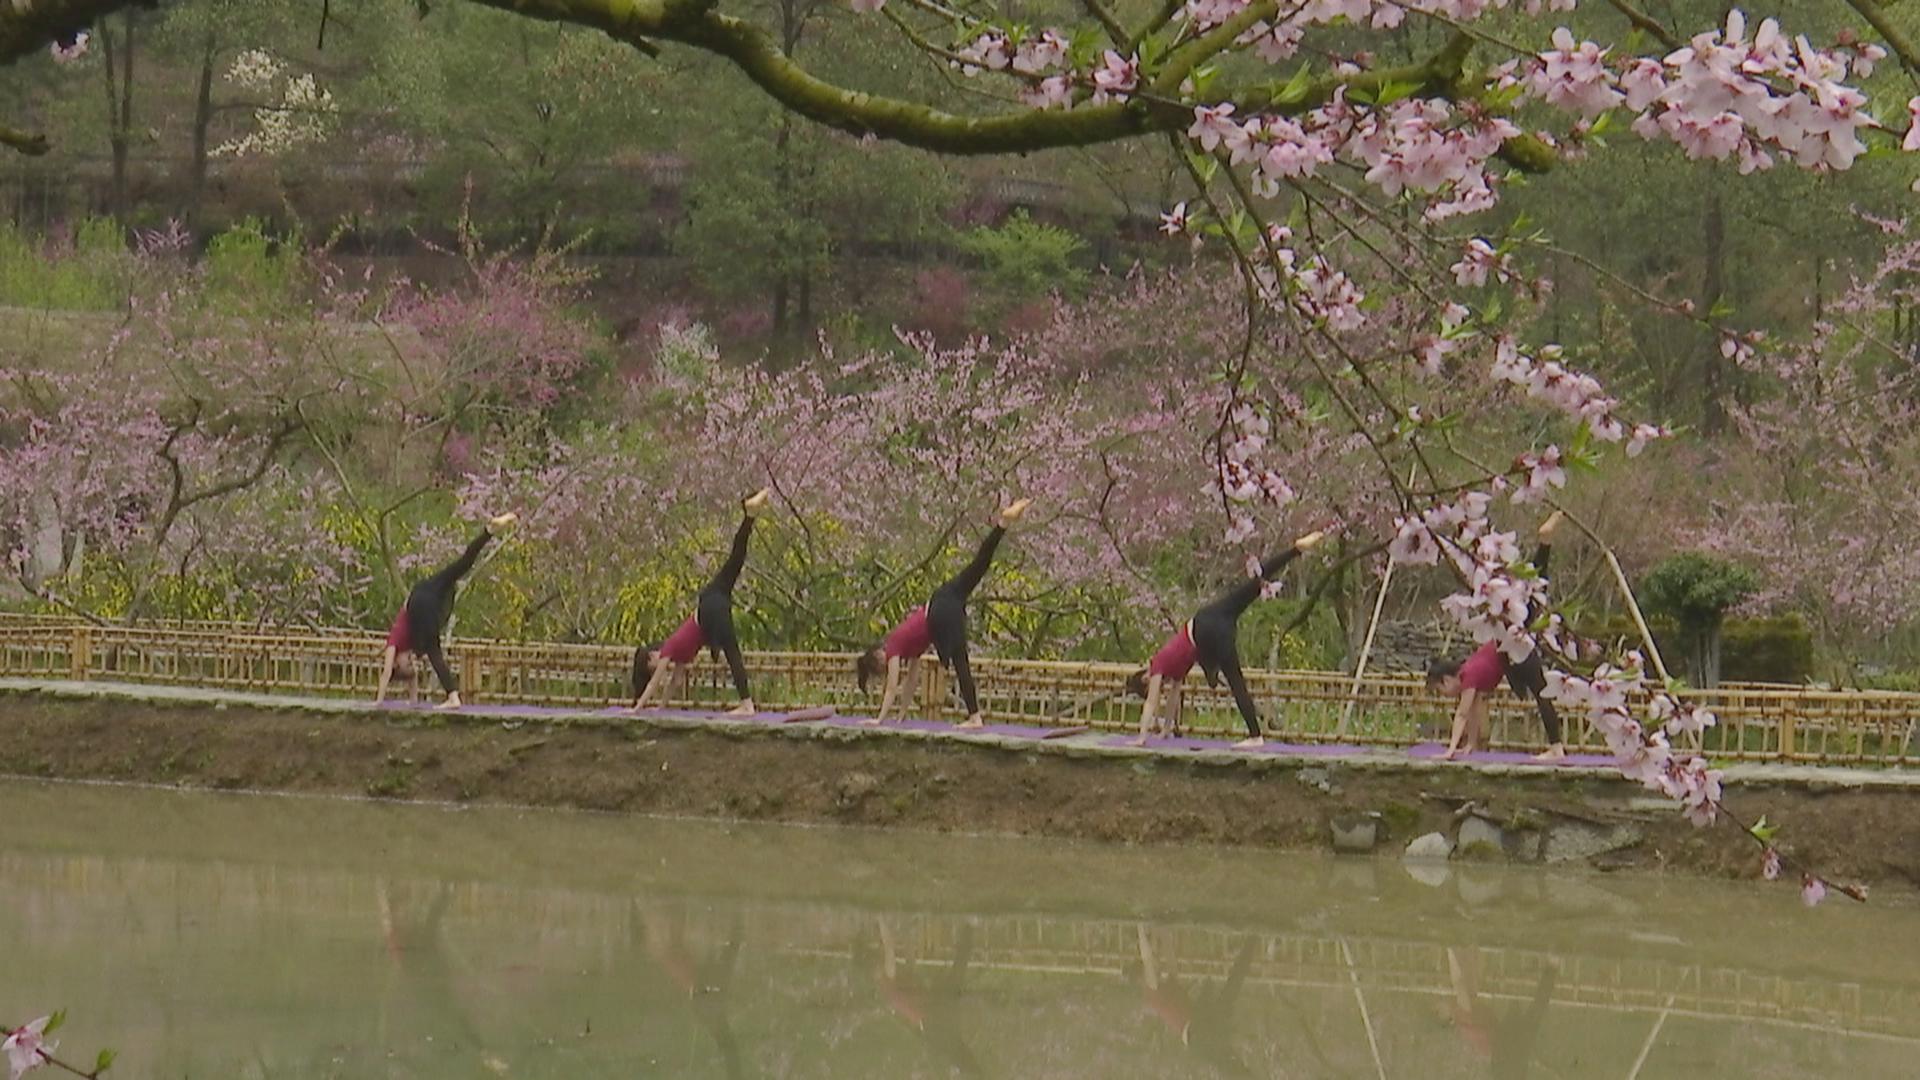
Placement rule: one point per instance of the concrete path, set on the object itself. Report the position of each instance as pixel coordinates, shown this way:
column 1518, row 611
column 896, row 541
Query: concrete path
column 1076, row 742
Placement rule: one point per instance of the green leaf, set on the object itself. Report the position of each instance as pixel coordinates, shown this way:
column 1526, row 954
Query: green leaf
column 55, row 1022
column 1296, row 89
column 105, row 1061
column 1763, row 832
column 1722, row 309
column 1490, row 314
column 1601, row 125
column 1392, row 92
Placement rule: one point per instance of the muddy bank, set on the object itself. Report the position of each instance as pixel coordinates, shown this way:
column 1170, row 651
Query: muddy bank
column 823, row 775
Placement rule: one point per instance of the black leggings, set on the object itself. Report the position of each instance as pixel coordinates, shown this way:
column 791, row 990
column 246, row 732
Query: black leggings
column 1216, row 631
column 1528, row 678
column 430, row 605
column 713, row 610
column 947, row 618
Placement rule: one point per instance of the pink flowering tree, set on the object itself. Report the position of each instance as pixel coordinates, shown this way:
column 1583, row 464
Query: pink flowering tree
column 435, row 382
column 134, row 447
column 1328, row 181
column 1826, row 458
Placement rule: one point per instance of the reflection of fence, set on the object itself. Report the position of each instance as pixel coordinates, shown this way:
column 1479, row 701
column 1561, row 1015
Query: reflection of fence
column 1756, row 723
column 1637, row 982
column 588, row 926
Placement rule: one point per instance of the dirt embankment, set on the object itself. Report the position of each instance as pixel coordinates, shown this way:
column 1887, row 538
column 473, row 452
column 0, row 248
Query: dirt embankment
column 803, row 775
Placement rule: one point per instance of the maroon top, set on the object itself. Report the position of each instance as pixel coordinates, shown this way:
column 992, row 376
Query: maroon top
column 911, row 639
column 1177, row 657
column 685, row 643
column 1484, row 669
column 400, row 637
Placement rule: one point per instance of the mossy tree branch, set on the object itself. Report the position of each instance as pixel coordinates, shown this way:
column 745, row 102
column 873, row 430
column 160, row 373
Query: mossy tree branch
column 751, row 49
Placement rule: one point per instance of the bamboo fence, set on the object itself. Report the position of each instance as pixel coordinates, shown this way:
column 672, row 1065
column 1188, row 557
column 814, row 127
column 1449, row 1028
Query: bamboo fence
column 1773, row 723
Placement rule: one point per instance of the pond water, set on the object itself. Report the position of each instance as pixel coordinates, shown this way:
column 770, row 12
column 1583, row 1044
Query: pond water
column 255, row 936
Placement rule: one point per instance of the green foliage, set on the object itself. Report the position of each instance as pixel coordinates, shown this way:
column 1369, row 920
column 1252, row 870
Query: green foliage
column 1777, row 649
column 1767, row 650
column 245, row 265
column 1029, row 259
column 1695, row 589
column 773, row 202
column 93, row 275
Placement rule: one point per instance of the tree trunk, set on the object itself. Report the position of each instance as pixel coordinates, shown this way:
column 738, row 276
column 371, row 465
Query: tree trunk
column 118, row 68
column 780, row 308
column 1713, row 412
column 202, row 124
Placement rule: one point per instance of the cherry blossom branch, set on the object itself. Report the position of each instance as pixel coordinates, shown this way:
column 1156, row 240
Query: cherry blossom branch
column 1613, row 562
column 1647, row 23
column 1116, row 33
column 1168, row 9
column 1895, row 38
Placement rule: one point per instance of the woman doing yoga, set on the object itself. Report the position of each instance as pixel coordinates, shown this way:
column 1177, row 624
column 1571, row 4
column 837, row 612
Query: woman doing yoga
column 709, row 627
column 423, row 618
column 1209, row 639
column 940, row 623
column 1473, row 679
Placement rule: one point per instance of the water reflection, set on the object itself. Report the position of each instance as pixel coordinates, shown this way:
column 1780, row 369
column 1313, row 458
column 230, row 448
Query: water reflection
column 704, row 983
column 1506, row 1038
column 929, row 1007
column 1203, row 1021
column 283, row 938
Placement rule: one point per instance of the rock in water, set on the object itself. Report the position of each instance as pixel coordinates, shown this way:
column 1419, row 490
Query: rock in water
column 1355, row 834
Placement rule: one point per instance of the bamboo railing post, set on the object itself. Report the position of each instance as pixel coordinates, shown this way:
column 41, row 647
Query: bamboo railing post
column 80, row 653
column 1366, row 650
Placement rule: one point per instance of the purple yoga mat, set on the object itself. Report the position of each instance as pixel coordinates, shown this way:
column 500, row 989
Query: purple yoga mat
column 1277, row 748
column 1429, row 751
column 1011, row 731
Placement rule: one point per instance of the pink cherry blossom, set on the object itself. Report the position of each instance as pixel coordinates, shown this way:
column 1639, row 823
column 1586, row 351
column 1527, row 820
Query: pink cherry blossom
column 1574, row 76
column 1174, row 222
column 1116, row 77
column 1812, row 890
column 1770, row 865
column 27, row 1049
column 1413, row 543
column 1041, row 52
column 1544, row 474
column 1213, row 124
column 866, row 7
column 1480, row 260
column 1053, row 92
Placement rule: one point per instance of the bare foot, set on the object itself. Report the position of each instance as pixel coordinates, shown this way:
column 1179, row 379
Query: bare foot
column 757, row 502
column 452, row 702
column 1555, row 752
column 1307, row 542
column 1013, row 511
column 1250, row 744
column 1551, row 525
column 504, row 521
column 745, row 708
column 973, row 722
column 1137, row 740
column 1452, row 753
column 872, row 721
